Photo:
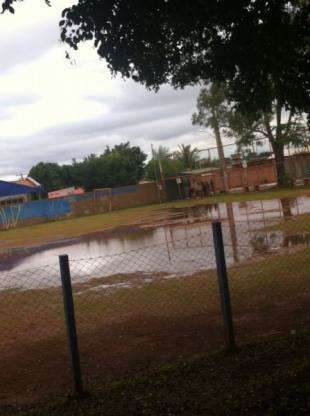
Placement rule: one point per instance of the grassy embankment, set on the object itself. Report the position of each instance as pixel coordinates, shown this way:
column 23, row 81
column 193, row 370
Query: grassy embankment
column 39, row 234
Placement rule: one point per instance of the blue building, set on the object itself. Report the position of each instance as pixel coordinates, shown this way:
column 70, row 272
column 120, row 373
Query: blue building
column 13, row 193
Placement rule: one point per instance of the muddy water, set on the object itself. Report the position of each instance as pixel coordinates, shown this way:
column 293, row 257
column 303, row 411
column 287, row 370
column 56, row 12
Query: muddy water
column 170, row 241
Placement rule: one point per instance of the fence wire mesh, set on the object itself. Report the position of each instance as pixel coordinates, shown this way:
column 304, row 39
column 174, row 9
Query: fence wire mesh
column 33, row 340
column 270, row 276
column 151, row 306
column 140, row 308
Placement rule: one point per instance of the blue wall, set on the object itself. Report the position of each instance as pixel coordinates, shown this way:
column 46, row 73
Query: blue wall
column 46, row 209
column 56, row 208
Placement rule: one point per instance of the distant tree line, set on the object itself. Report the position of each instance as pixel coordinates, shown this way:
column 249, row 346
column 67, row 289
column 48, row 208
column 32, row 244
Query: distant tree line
column 252, row 56
column 118, row 166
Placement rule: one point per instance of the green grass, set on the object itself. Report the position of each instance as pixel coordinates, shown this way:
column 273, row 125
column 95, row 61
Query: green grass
column 75, row 227
column 255, row 284
column 270, row 379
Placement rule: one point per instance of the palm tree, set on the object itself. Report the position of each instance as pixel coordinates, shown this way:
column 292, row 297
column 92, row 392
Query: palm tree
column 162, row 152
column 187, row 156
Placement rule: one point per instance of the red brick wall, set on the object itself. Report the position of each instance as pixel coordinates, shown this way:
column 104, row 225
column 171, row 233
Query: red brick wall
column 147, row 194
column 254, row 174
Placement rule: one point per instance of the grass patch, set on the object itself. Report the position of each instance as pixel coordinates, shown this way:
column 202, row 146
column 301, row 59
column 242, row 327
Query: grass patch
column 271, row 378
column 145, row 325
column 75, row 227
column 298, row 224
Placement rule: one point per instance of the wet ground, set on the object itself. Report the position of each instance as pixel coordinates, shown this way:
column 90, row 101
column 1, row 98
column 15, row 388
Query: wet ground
column 174, row 241
column 174, row 310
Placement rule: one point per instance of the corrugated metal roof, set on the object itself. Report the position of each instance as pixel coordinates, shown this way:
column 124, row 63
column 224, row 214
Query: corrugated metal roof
column 12, row 189
column 28, row 181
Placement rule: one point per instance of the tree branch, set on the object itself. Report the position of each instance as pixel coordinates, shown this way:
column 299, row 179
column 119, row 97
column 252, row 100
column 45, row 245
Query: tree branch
column 268, row 129
column 288, row 125
column 278, row 117
column 261, row 132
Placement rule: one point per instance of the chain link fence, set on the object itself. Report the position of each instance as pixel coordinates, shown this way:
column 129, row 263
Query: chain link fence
column 139, row 309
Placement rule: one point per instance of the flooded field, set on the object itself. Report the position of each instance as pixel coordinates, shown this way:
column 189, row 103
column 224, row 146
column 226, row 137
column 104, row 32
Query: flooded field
column 176, row 241
column 147, row 294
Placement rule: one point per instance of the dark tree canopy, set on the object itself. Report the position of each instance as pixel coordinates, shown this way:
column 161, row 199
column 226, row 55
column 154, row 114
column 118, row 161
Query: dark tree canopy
column 49, row 175
column 118, row 166
column 260, row 47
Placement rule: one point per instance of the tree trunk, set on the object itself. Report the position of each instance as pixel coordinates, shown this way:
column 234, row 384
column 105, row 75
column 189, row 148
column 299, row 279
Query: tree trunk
column 220, row 150
column 277, row 147
column 278, row 150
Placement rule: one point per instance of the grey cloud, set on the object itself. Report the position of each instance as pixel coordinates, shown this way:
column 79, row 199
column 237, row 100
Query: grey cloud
column 17, row 100
column 136, row 107
column 28, row 45
column 8, row 101
column 135, row 96
column 139, row 116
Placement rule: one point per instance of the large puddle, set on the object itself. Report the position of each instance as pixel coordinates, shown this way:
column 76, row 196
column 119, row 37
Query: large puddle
column 177, row 241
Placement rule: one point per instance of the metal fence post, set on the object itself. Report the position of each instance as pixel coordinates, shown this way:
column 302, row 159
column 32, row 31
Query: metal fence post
column 70, row 324
column 223, row 286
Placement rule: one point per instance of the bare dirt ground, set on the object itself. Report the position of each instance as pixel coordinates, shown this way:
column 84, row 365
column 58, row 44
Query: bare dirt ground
column 41, row 369
column 124, row 331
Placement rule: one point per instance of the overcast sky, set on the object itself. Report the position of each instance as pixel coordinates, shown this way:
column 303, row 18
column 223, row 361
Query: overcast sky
column 52, row 109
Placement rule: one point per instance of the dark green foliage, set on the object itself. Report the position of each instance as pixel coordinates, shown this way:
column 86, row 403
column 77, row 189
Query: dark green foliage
column 163, row 164
column 187, row 156
column 261, row 48
column 170, row 167
column 122, row 165
column 49, row 175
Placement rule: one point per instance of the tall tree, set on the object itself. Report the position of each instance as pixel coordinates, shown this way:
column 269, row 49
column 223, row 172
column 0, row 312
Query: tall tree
column 213, row 110
column 162, row 152
column 162, row 164
column 279, row 127
column 49, row 175
column 124, row 164
column 188, row 156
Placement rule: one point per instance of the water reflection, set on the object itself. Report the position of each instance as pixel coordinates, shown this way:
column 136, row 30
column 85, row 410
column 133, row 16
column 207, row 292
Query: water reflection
column 177, row 240
column 286, row 204
column 232, row 229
